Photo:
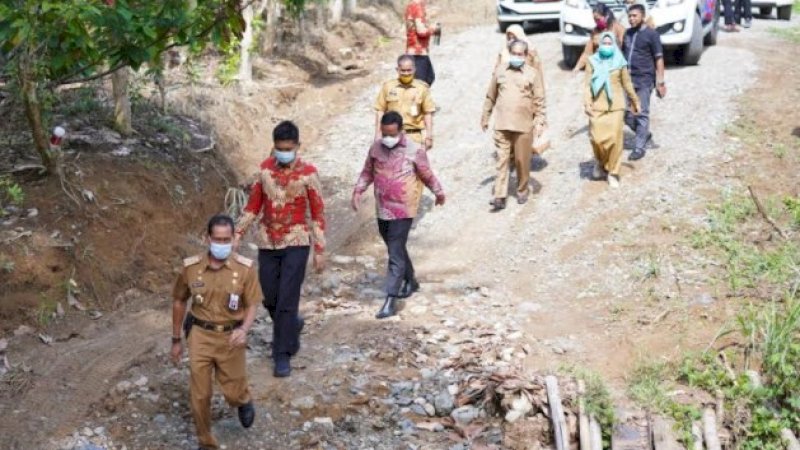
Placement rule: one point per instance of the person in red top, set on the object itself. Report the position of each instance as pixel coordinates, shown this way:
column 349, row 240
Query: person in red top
column 287, row 191
column 418, row 38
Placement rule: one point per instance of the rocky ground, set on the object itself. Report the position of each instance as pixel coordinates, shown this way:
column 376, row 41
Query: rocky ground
column 581, row 275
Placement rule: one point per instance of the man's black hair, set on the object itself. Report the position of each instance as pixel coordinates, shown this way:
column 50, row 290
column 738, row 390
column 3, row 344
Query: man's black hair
column 637, row 7
column 220, row 220
column 404, row 58
column 286, row 131
column 392, row 118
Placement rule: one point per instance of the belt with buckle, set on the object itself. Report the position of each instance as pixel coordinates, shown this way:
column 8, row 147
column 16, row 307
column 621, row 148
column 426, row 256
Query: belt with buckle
column 413, row 131
column 218, row 327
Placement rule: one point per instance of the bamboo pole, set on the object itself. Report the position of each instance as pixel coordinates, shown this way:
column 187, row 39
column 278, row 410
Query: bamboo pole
column 560, row 431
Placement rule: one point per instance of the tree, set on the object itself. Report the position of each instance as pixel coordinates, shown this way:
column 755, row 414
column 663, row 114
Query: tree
column 53, row 42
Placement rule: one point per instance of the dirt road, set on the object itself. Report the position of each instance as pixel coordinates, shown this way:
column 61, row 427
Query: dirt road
column 569, row 276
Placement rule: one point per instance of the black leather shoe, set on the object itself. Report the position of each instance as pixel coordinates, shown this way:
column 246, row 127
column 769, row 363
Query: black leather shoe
column 282, row 366
column 247, row 414
column 498, row 204
column 651, row 144
column 301, row 323
column 409, row 288
column 636, row 155
column 389, row 308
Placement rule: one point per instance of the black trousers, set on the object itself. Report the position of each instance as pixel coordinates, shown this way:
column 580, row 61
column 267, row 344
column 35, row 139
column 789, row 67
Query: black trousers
column 744, row 10
column 640, row 124
column 395, row 235
column 281, row 273
column 728, row 4
column 424, row 68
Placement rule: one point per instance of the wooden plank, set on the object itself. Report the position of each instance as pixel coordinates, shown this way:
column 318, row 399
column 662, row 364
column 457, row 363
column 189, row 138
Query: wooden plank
column 595, row 434
column 560, row 431
column 710, row 435
column 789, row 439
column 584, row 434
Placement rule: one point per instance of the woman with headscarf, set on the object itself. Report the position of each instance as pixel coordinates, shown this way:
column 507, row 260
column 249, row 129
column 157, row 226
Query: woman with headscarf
column 604, row 21
column 541, row 139
column 517, row 33
column 607, row 83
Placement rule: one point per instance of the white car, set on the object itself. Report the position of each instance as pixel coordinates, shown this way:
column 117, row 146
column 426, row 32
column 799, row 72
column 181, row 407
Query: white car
column 685, row 26
column 765, row 8
column 510, row 12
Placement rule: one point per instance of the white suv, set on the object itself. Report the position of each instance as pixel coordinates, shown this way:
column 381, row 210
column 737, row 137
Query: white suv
column 510, row 12
column 784, row 8
column 685, row 26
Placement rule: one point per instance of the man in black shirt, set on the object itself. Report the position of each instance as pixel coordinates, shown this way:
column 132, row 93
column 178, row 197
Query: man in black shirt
column 642, row 48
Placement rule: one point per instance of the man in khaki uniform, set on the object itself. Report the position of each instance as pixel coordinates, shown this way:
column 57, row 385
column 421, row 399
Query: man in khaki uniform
column 225, row 294
column 516, row 94
column 412, row 99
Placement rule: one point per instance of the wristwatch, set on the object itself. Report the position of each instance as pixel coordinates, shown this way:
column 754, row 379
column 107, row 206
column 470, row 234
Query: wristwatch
column 176, row 340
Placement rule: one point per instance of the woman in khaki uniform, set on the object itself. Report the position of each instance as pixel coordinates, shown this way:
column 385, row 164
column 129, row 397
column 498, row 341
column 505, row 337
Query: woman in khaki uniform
column 607, row 83
column 605, row 22
column 541, row 139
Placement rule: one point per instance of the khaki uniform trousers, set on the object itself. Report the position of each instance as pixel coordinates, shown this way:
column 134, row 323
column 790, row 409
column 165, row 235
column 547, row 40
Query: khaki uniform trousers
column 517, row 146
column 209, row 351
column 605, row 132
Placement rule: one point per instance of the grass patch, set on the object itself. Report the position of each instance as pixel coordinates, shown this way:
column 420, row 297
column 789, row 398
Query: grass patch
column 748, row 264
column 597, row 399
column 758, row 373
column 790, row 34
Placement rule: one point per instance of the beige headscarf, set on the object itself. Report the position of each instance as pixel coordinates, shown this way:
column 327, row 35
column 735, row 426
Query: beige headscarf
column 519, row 34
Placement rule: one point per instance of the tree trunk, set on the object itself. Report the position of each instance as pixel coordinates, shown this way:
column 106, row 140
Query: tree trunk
column 349, row 7
column 33, row 112
column 337, row 8
column 245, row 63
column 269, row 37
column 122, row 102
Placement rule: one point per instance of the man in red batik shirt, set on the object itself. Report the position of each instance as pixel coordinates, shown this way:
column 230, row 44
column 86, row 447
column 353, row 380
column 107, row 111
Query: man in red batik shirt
column 287, row 190
column 418, row 38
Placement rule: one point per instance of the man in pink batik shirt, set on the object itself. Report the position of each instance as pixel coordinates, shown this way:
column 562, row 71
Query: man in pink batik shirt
column 398, row 167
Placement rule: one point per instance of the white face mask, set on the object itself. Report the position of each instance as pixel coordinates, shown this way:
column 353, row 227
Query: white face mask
column 390, row 141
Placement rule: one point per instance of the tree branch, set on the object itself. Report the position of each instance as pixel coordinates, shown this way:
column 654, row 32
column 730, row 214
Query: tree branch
column 66, row 79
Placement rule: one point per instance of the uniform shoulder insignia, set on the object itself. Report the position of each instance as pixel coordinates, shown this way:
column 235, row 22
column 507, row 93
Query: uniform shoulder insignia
column 192, row 260
column 243, row 260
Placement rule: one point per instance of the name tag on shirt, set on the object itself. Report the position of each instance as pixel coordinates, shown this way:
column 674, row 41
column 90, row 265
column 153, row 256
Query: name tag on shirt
column 233, row 302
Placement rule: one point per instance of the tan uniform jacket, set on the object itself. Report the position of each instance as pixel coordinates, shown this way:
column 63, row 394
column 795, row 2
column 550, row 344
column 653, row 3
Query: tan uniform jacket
column 412, row 101
column 211, row 291
column 621, row 85
column 517, row 98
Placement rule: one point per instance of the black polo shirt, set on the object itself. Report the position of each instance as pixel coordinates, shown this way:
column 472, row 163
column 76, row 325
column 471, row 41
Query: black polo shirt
column 642, row 47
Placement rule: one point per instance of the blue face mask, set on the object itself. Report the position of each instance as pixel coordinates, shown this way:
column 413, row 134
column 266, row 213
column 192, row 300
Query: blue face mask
column 606, row 51
column 285, row 157
column 516, row 62
column 220, row 251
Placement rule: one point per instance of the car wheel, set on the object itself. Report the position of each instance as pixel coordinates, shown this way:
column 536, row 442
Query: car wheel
column 785, row 12
column 689, row 54
column 571, row 55
column 711, row 37
column 503, row 26
column 765, row 10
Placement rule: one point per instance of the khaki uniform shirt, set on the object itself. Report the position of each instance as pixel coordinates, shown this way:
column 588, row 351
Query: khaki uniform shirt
column 219, row 296
column 412, row 101
column 517, row 97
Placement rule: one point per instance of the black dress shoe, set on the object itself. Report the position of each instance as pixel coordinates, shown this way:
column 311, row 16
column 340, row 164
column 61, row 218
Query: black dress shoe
column 283, row 367
column 636, row 155
column 498, row 204
column 388, row 309
column 247, row 414
column 301, row 323
column 651, row 144
column 409, row 288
